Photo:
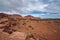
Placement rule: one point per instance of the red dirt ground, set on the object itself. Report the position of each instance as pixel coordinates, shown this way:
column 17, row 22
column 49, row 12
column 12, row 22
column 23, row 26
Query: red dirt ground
column 16, row 27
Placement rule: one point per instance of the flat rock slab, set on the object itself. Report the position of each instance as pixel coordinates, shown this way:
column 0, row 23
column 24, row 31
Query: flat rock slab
column 18, row 36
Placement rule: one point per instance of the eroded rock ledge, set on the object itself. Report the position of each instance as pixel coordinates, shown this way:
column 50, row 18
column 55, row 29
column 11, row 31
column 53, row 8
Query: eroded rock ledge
column 16, row 27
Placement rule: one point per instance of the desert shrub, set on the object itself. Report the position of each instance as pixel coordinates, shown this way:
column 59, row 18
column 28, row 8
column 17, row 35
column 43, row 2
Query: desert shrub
column 24, row 23
column 1, row 16
column 30, row 26
column 49, row 22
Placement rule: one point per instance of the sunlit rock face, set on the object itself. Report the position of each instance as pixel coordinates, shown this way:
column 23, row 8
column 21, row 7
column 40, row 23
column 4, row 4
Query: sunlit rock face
column 4, row 36
column 18, row 36
column 16, row 27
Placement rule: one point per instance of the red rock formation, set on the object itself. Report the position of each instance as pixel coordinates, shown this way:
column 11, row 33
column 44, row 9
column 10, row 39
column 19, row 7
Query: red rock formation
column 16, row 27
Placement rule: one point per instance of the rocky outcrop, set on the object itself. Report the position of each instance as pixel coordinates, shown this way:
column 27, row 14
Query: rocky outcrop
column 18, row 36
column 16, row 27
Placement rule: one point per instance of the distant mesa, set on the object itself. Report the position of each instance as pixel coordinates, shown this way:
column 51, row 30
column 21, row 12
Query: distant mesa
column 17, row 15
column 29, row 16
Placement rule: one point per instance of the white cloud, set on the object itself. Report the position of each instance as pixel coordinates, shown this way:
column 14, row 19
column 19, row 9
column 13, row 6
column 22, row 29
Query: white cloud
column 30, row 5
column 11, row 12
column 53, row 6
column 37, row 6
column 22, row 5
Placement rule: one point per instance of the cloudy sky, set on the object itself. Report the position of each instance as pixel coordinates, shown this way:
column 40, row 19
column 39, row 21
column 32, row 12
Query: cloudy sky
column 38, row 8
